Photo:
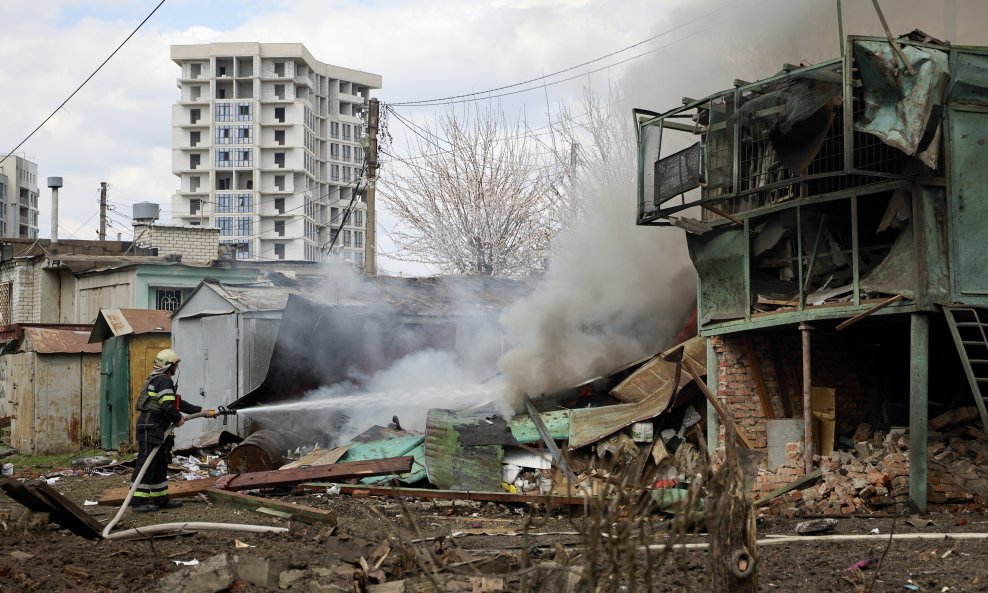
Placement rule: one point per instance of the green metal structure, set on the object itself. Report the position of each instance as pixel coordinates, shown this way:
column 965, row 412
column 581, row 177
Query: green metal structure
column 856, row 186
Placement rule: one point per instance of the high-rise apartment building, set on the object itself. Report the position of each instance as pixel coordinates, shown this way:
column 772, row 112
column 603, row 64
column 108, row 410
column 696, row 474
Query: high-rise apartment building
column 19, row 198
column 266, row 143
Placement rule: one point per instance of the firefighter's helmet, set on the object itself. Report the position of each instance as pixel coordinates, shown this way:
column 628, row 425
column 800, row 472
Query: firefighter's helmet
column 166, row 359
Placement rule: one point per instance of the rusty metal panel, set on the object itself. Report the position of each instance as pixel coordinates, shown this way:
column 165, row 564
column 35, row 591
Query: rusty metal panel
column 657, row 375
column 122, row 322
column 22, row 425
column 452, row 465
column 719, row 259
column 968, row 204
column 57, row 341
column 969, row 84
column 89, row 422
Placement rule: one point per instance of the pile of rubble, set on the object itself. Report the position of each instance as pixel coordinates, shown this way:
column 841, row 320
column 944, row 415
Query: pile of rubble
column 875, row 476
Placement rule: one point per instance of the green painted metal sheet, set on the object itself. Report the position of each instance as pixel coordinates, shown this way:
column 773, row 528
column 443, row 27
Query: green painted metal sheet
column 719, row 258
column 115, row 415
column 970, row 79
column 523, row 429
column 380, row 442
column 968, row 203
column 453, row 465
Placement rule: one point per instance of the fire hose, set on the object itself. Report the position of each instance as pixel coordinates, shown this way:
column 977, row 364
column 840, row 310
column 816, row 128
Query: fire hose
column 177, row 527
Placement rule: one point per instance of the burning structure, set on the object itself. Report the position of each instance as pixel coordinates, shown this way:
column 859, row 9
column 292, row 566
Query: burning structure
column 836, row 219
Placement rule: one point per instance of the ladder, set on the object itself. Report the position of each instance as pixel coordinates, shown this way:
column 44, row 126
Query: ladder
column 970, row 334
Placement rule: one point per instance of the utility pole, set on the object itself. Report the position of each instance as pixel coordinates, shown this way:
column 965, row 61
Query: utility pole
column 102, row 210
column 370, row 243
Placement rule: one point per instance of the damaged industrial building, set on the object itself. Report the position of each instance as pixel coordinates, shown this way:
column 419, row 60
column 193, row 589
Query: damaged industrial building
column 835, row 215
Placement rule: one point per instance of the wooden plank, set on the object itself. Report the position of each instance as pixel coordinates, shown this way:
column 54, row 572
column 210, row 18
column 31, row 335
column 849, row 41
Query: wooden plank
column 871, row 311
column 319, row 457
column 297, row 512
column 39, row 497
column 273, row 478
column 724, row 416
column 810, row 477
column 550, row 444
column 756, row 372
column 430, row 494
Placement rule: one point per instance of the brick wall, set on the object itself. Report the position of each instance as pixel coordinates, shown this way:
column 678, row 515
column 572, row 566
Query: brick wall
column 843, row 362
column 194, row 244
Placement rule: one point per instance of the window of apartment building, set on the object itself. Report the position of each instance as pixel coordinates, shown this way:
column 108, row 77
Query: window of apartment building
column 167, row 299
column 358, row 154
column 279, row 250
column 194, row 206
column 279, row 91
column 346, row 174
column 279, row 228
column 194, row 115
column 223, row 112
column 245, row 111
column 223, row 134
column 194, row 183
column 347, row 238
column 240, row 248
column 224, row 203
column 224, row 183
column 279, row 182
column 279, row 114
column 195, row 92
column 195, row 70
column 334, row 172
column 220, row 71
column 245, row 202
column 310, row 230
column 334, row 150
column 225, row 225
column 279, row 137
column 223, row 158
column 279, row 205
column 194, row 161
column 243, row 157
column 358, row 239
column 346, row 131
column 194, row 138
column 334, row 129
column 220, row 93
column 244, row 133
column 358, row 218
column 279, row 69
column 279, row 160
column 347, row 150
column 245, row 226
column 334, row 214
column 333, row 234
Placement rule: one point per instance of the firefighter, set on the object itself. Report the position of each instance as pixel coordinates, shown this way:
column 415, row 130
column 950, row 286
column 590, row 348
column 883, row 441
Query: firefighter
column 159, row 406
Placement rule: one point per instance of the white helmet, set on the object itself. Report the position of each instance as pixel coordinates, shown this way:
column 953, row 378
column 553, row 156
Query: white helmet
column 166, row 359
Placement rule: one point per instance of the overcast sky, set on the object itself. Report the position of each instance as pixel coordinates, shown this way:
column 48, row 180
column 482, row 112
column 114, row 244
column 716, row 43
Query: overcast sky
column 118, row 128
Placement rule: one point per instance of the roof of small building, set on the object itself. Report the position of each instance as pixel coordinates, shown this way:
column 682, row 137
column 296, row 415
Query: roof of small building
column 121, row 322
column 57, row 341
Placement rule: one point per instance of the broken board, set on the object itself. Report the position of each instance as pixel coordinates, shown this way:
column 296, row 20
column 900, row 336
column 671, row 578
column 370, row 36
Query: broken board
column 273, row 478
column 39, row 497
column 295, row 512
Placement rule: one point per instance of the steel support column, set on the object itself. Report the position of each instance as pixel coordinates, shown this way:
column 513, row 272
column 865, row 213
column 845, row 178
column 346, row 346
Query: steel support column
column 919, row 354
column 713, row 377
column 808, row 448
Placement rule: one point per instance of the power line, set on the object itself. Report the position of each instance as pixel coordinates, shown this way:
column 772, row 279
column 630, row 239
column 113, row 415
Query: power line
column 451, row 99
column 79, row 88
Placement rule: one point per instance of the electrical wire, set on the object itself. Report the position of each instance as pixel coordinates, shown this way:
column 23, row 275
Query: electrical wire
column 450, row 99
column 88, row 78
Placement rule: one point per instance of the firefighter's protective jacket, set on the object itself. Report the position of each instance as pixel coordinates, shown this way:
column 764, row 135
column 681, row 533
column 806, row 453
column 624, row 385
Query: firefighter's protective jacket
column 165, row 407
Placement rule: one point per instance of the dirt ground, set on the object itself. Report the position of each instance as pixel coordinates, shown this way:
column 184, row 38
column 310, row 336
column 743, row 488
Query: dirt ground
column 37, row 557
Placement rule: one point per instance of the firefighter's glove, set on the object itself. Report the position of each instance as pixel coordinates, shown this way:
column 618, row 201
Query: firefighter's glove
column 210, row 413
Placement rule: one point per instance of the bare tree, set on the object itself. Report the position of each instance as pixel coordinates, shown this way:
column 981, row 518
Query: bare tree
column 476, row 197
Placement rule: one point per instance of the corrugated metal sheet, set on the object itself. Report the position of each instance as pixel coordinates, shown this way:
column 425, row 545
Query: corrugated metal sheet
column 254, row 298
column 379, row 442
column 453, row 465
column 658, row 375
column 122, row 322
column 589, row 425
column 57, row 341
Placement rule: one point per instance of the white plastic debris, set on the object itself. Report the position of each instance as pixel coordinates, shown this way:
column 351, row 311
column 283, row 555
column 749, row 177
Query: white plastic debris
column 876, row 531
column 192, row 562
column 239, row 544
column 90, row 503
column 8, row 469
column 333, row 490
column 51, row 481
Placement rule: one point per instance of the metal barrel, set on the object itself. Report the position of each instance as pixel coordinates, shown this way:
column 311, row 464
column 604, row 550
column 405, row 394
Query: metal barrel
column 261, row 451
